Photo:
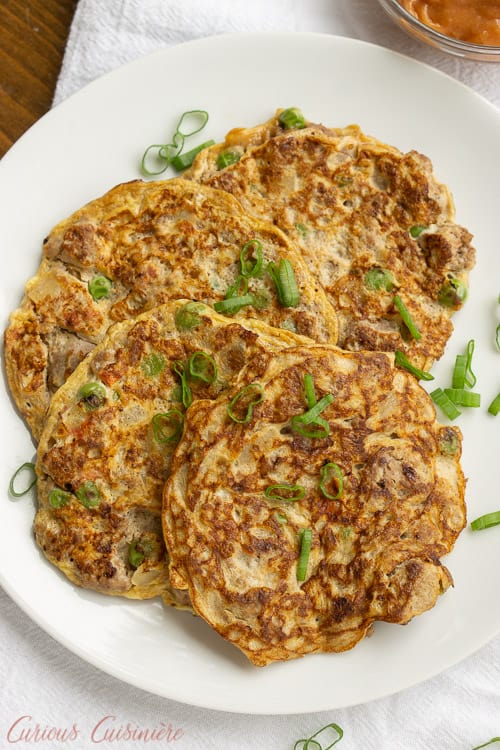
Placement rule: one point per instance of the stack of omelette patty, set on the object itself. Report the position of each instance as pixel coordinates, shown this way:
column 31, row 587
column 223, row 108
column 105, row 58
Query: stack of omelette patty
column 208, row 366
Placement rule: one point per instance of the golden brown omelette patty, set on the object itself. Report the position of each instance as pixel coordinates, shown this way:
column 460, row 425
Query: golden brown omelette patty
column 110, row 433
column 379, row 489
column 372, row 223
column 140, row 245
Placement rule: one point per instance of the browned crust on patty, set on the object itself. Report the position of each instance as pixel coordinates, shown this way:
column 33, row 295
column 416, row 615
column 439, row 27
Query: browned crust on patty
column 155, row 241
column 375, row 550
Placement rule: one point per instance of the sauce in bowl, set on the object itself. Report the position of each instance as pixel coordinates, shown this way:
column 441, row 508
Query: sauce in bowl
column 476, row 21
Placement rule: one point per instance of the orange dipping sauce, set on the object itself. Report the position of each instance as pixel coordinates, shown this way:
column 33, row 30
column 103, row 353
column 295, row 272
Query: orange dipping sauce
column 476, row 21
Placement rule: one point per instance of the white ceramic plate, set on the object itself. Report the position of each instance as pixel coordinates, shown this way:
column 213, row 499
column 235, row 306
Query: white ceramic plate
column 94, row 140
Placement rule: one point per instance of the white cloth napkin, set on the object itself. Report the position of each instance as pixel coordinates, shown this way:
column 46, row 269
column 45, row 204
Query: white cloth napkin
column 107, row 34
column 43, row 685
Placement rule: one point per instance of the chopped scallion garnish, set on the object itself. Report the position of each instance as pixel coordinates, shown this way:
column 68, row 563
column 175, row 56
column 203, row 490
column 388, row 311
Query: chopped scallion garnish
column 238, row 289
column 226, row 158
column 311, row 743
column 281, row 518
column 93, row 395
column 458, row 376
column 188, row 316
column 292, row 118
column 135, row 554
column 244, row 402
column 30, row 469
column 305, row 551
column 165, row 153
column 251, row 267
column 445, row 403
column 203, row 366
column 378, row 278
column 183, row 161
column 304, row 424
column 406, row 317
column 329, row 472
column 153, row 364
column 497, row 337
column 490, row 742
column 88, row 494
column 494, row 407
column 233, row 305
column 58, row 498
column 462, row 397
column 167, row 426
column 417, row 230
column 402, row 361
column 288, row 493
column 284, row 278
column 186, row 394
column 486, row 521
column 311, row 399
column 199, row 118
column 100, row 287
column 453, row 293
column 448, row 442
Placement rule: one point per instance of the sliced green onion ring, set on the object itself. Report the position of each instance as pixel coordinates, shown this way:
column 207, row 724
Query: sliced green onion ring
column 167, row 426
column 294, row 492
column 203, row 366
column 310, row 390
column 486, row 521
column 183, row 161
column 88, row 494
column 281, row 518
column 305, row 551
column 494, row 407
column 470, row 378
column 378, row 278
column 497, row 337
column 312, row 414
column 310, row 424
column 197, row 114
column 163, row 154
column 462, row 397
column 233, row 304
column 186, row 394
column 458, row 376
column 416, row 230
column 284, row 278
column 306, row 743
column 328, row 472
column 188, row 316
column 453, row 293
column 58, row 498
column 169, row 150
column 448, row 442
column 292, row 118
column 490, row 742
column 249, row 268
column 250, row 396
column 238, row 289
column 319, row 428
column 28, row 466
column 402, row 360
column 406, row 317
column 135, row 554
column 153, row 365
column 446, row 405
column 100, row 287
column 92, row 394
column 226, row 158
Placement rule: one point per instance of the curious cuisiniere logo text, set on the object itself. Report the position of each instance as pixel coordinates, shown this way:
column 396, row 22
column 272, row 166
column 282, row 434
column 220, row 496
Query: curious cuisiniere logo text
column 26, row 729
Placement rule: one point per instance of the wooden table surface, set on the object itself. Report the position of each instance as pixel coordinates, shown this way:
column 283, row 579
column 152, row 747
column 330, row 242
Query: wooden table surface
column 33, row 35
